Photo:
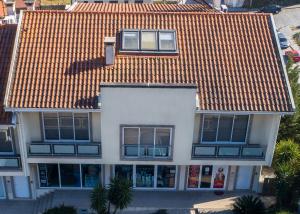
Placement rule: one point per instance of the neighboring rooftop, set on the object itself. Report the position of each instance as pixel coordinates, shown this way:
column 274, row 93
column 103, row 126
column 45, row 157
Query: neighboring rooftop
column 232, row 58
column 7, row 37
column 98, row 7
column 3, row 11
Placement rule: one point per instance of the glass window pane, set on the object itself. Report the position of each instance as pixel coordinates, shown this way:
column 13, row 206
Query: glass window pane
column 5, row 141
column 225, row 127
column 147, row 136
column 131, row 135
column 220, row 173
column 148, row 40
column 210, row 126
column 130, row 40
column 124, row 172
column 91, row 175
column 66, row 126
column 70, row 175
column 206, row 174
column 163, row 136
column 240, row 128
column 167, row 41
column 144, row 176
column 166, row 176
column 51, row 126
column 81, row 121
column 193, row 179
column 48, row 174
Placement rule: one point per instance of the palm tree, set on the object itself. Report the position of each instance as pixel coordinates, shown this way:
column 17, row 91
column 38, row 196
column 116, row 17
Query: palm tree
column 99, row 200
column 119, row 193
column 248, row 204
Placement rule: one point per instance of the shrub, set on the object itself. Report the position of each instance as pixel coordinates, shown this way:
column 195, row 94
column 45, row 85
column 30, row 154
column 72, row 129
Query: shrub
column 62, row 209
column 161, row 211
column 248, row 204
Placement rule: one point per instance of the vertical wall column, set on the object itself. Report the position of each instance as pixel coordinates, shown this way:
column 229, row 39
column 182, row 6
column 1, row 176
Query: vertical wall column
column 107, row 174
column 258, row 180
column 231, row 178
column 8, row 187
column 182, row 177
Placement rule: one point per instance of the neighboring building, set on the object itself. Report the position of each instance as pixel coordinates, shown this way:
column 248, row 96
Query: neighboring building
column 170, row 99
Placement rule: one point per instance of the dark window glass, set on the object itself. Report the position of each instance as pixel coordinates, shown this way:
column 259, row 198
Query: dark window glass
column 210, row 126
column 124, row 172
column 91, row 175
column 144, row 176
column 240, row 128
column 206, row 175
column 225, row 127
column 81, row 121
column 5, row 141
column 163, row 136
column 131, row 135
column 51, row 126
column 166, row 176
column 66, row 126
column 147, row 136
column 48, row 174
column 70, row 175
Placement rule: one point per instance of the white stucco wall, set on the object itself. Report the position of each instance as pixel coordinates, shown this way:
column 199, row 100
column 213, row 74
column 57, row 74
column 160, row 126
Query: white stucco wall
column 147, row 106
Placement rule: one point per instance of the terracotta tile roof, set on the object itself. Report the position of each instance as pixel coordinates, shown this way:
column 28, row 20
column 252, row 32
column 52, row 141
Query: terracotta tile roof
column 3, row 11
column 7, row 37
column 232, row 58
column 99, row 7
column 20, row 5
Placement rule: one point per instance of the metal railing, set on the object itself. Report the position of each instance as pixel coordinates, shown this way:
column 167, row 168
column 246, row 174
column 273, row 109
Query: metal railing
column 64, row 149
column 10, row 162
column 146, row 151
column 253, row 151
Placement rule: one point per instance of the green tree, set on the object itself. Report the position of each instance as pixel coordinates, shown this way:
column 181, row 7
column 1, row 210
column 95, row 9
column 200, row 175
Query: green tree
column 290, row 124
column 248, row 204
column 286, row 165
column 118, row 194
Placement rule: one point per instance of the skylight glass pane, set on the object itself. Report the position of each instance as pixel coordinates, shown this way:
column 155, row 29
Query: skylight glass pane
column 130, row 40
column 167, row 41
column 148, row 41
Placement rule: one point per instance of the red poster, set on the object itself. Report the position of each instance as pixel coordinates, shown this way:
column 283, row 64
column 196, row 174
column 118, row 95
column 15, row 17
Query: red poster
column 219, row 179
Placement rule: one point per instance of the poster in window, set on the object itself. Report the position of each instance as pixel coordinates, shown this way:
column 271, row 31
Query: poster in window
column 193, row 180
column 220, row 174
column 206, row 175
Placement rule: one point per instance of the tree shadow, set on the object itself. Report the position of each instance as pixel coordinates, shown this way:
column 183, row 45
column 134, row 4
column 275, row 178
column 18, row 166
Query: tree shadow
column 85, row 65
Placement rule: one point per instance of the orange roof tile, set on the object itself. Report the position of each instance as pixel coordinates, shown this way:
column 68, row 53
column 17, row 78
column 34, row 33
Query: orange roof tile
column 232, row 58
column 7, row 37
column 20, row 5
column 106, row 7
column 3, row 11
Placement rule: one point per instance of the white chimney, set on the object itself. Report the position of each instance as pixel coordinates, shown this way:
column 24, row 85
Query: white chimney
column 109, row 45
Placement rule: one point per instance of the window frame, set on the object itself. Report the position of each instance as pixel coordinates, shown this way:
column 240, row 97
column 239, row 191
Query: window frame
column 158, row 50
column 123, row 39
column 58, row 123
column 139, row 127
column 230, row 142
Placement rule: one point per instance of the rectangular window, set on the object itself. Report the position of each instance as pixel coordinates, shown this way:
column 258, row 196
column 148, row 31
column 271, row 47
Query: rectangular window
column 91, row 175
column 167, row 41
column 166, row 176
column 48, row 174
column 145, row 176
column 130, row 40
column 225, row 128
column 66, row 126
column 148, row 40
column 193, row 179
column 70, row 175
column 206, row 174
column 124, row 172
column 6, row 144
column 146, row 141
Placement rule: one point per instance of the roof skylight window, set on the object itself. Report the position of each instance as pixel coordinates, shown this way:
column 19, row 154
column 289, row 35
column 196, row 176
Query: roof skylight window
column 149, row 41
column 130, row 40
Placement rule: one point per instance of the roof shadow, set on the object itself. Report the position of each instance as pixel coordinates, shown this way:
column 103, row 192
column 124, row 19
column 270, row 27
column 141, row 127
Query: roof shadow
column 85, row 65
column 88, row 102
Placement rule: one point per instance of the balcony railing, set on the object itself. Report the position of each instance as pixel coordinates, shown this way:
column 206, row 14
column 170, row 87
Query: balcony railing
column 64, row 149
column 146, row 151
column 10, row 162
column 253, row 151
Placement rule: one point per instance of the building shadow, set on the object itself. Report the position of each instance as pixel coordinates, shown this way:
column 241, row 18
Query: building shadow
column 85, row 65
column 89, row 102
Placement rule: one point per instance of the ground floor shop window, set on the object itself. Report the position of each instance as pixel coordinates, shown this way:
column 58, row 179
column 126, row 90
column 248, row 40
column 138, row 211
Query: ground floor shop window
column 148, row 176
column 166, row 176
column 124, row 172
column 49, row 176
column 144, row 176
column 69, row 175
column 91, row 175
column 207, row 177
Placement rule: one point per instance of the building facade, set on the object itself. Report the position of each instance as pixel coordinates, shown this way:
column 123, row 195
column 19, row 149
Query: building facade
column 98, row 95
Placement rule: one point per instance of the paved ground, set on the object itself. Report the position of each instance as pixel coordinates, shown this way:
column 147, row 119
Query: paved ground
column 144, row 202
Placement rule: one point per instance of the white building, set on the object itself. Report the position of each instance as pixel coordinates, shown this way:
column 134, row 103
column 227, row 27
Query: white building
column 171, row 99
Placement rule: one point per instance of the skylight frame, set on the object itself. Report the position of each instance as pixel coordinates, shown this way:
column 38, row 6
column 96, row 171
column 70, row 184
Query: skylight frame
column 123, row 39
column 156, row 40
column 174, row 40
